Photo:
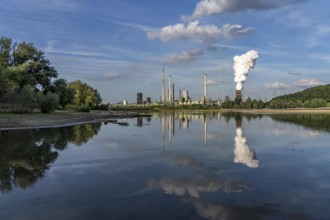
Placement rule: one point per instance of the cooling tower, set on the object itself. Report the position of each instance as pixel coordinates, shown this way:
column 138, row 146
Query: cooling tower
column 238, row 95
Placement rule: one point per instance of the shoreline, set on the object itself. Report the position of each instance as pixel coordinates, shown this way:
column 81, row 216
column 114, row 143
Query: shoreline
column 59, row 119
column 68, row 118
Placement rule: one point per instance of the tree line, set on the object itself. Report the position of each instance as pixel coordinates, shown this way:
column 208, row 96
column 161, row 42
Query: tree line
column 28, row 81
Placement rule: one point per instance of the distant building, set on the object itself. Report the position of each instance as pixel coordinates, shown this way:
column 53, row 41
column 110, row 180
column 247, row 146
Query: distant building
column 125, row 102
column 185, row 96
column 139, row 98
column 148, row 101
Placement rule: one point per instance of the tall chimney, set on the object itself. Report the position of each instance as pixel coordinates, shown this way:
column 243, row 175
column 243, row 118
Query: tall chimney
column 169, row 88
column 239, row 95
column 173, row 92
column 163, row 87
column 205, row 85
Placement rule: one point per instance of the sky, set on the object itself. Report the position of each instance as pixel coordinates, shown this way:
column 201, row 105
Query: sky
column 121, row 47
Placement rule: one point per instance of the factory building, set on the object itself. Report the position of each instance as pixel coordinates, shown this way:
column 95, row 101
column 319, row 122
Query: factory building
column 139, row 98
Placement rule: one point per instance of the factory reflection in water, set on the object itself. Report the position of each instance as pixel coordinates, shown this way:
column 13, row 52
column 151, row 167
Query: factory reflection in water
column 242, row 152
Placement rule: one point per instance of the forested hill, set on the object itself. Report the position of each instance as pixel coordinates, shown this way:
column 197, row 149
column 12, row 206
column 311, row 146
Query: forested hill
column 318, row 92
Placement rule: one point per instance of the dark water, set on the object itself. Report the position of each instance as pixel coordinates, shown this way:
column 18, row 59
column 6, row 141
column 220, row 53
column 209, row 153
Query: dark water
column 171, row 166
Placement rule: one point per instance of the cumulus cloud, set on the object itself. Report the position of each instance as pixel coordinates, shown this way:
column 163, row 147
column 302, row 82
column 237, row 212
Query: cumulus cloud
column 106, row 77
column 304, row 83
column 213, row 82
column 277, row 85
column 195, row 31
column 184, row 57
column 217, row 7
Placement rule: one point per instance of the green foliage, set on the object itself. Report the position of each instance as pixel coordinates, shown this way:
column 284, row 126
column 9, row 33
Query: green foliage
column 65, row 94
column 23, row 101
column 319, row 92
column 283, row 103
column 48, row 103
column 83, row 108
column 84, row 94
column 24, row 72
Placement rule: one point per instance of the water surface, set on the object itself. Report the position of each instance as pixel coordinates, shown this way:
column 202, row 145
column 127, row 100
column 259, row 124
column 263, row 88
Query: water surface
column 170, row 166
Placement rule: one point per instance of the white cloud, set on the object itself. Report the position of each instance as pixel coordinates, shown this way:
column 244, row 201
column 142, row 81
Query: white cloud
column 309, row 83
column 195, row 31
column 277, row 85
column 184, row 57
column 216, row 7
column 213, row 82
column 233, row 31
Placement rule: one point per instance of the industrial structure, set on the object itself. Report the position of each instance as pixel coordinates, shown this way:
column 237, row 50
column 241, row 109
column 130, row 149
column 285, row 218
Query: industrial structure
column 205, row 86
column 139, row 98
column 163, row 87
column 238, row 95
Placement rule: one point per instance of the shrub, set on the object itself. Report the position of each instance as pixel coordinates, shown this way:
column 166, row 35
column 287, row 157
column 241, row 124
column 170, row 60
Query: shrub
column 83, row 108
column 48, row 103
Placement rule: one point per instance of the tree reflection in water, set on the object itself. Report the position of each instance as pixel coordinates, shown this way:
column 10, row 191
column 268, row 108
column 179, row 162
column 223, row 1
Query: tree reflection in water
column 25, row 155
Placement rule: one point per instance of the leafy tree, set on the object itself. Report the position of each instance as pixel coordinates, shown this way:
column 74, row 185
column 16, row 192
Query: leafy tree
column 48, row 103
column 84, row 94
column 65, row 94
column 24, row 71
column 23, row 101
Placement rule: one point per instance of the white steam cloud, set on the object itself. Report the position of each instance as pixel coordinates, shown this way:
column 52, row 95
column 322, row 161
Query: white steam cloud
column 242, row 65
column 243, row 154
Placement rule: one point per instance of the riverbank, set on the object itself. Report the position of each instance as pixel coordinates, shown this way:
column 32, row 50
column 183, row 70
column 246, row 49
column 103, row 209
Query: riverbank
column 67, row 118
column 58, row 119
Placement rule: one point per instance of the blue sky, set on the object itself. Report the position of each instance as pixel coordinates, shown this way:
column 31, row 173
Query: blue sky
column 120, row 47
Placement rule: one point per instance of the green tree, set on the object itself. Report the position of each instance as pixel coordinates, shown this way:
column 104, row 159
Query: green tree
column 24, row 71
column 65, row 94
column 84, row 94
column 248, row 103
column 48, row 103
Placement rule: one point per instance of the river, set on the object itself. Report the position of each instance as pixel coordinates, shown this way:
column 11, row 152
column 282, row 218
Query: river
column 172, row 165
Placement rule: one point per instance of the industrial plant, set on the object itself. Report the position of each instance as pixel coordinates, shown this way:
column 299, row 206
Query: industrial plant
column 242, row 65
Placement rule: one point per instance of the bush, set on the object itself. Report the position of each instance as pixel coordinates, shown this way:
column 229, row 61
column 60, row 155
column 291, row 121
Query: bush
column 83, row 108
column 48, row 103
column 103, row 107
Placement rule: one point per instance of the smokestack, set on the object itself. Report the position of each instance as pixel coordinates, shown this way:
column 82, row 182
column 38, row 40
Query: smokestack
column 173, row 92
column 169, row 97
column 242, row 65
column 239, row 95
column 163, row 87
column 205, row 86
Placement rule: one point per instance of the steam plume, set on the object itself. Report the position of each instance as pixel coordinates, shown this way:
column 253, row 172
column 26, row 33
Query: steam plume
column 242, row 66
column 243, row 154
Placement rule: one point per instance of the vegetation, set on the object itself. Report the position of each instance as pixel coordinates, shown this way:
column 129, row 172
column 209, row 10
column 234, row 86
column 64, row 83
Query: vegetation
column 84, row 94
column 28, row 81
column 309, row 98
